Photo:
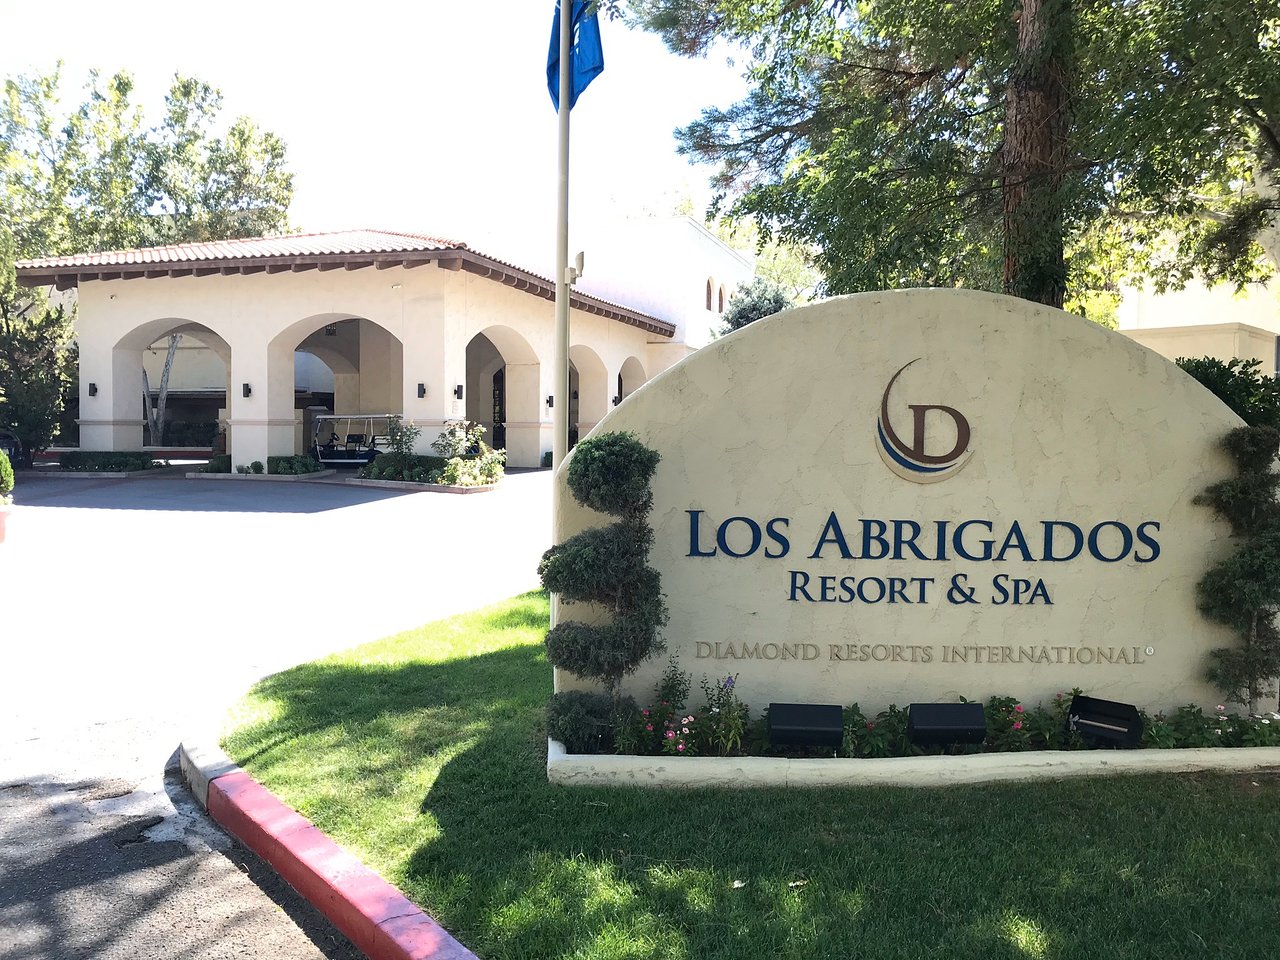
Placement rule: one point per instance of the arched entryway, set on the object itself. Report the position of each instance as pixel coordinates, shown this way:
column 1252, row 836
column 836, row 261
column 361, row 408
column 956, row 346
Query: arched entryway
column 630, row 378
column 502, row 393
column 335, row 362
column 588, row 390
column 130, row 393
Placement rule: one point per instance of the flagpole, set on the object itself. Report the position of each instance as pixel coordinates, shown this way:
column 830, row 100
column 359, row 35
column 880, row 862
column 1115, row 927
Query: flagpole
column 560, row 356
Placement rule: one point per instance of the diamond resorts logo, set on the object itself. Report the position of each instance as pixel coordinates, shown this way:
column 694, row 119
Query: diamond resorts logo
column 912, row 461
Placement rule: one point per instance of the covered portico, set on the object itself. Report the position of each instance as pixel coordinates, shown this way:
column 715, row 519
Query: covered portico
column 406, row 323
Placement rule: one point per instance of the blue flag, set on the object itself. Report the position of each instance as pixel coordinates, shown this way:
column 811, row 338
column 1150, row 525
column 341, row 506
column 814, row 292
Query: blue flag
column 586, row 58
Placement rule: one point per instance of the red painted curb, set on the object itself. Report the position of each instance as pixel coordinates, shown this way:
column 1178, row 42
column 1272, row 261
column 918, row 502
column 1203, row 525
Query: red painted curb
column 379, row 919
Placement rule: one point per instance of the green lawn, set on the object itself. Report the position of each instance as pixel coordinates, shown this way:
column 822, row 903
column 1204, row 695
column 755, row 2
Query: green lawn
column 425, row 754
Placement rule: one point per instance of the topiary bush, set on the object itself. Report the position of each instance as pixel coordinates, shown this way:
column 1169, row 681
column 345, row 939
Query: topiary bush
column 584, row 722
column 608, row 566
column 218, row 464
column 6, row 480
column 1243, row 591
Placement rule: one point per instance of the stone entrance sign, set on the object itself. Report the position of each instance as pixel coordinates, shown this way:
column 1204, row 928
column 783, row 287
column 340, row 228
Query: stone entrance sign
column 927, row 494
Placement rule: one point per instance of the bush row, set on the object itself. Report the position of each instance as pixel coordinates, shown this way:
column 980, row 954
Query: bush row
column 91, row 461
column 218, row 464
column 292, row 466
column 190, row 433
column 471, row 470
column 722, row 725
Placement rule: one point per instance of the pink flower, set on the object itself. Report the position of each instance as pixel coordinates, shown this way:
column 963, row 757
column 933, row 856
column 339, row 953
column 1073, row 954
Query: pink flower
column 684, row 729
column 645, row 712
column 649, row 727
column 1221, row 708
column 1017, row 725
column 679, row 746
column 1018, row 709
column 671, row 734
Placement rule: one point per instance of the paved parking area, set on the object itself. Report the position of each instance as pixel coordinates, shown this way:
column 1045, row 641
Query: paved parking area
column 135, row 610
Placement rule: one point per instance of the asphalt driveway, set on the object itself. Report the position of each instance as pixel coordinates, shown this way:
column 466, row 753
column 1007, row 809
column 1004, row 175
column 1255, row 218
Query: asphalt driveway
column 132, row 612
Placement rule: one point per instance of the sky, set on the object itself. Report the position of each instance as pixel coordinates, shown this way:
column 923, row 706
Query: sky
column 430, row 117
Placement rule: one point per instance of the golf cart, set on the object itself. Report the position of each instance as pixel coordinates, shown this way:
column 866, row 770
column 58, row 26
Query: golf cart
column 350, row 441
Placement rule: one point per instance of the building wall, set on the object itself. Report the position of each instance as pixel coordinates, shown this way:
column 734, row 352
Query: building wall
column 1221, row 340
column 420, row 322
column 1198, row 305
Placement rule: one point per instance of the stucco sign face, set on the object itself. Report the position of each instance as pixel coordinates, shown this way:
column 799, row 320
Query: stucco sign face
column 1023, row 525
column 913, row 461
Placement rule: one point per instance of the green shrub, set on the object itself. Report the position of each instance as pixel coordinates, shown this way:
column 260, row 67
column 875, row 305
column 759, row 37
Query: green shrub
column 257, row 467
column 1243, row 591
column 218, row 464
column 292, row 466
column 584, row 722
column 93, row 461
column 184, row 433
column 1252, row 395
column 410, row 467
column 611, row 473
column 459, row 438
column 547, row 456
column 608, row 565
column 6, row 479
column 401, row 436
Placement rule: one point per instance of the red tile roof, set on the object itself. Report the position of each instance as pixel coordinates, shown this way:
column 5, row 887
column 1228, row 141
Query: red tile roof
column 338, row 243
column 299, row 252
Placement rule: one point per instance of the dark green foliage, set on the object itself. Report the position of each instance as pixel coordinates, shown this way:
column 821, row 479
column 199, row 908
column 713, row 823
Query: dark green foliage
column 1252, row 395
column 547, row 457
column 598, row 564
column 408, row 467
column 6, row 476
column 93, row 461
column 1243, row 591
column 608, row 565
column 218, row 464
column 611, row 473
column 257, row 467
column 292, row 466
column 751, row 302
column 582, row 721
column 190, row 433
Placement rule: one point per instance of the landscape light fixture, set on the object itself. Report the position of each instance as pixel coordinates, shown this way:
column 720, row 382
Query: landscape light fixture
column 935, row 724
column 246, row 390
column 1105, row 723
column 551, row 401
column 422, row 390
column 806, row 725
column 457, row 392
column 617, row 400
column 93, row 389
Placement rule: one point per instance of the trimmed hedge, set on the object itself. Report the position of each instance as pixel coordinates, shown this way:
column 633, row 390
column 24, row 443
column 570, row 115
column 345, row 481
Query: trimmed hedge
column 190, row 433
column 6, row 478
column 291, row 466
column 409, row 467
column 106, row 461
column 218, row 464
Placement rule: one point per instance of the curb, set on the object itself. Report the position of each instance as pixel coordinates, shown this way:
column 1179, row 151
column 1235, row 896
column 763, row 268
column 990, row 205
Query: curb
column 380, row 920
column 417, row 487
column 276, row 477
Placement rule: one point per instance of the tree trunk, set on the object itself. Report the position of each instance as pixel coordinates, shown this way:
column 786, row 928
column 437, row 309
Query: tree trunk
column 1034, row 155
column 155, row 414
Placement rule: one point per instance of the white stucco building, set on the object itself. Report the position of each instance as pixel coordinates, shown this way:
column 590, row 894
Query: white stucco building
column 383, row 322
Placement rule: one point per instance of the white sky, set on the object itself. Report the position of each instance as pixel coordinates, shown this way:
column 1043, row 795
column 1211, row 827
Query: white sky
column 426, row 116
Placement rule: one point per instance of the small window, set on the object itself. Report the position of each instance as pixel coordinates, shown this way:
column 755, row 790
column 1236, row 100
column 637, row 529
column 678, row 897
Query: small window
column 708, row 293
column 721, row 310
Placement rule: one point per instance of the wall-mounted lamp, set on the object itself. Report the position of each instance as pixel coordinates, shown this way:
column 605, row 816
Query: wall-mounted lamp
column 617, row 400
column 457, row 392
column 395, row 286
column 93, row 389
column 551, row 401
column 422, row 390
column 575, row 395
column 246, row 390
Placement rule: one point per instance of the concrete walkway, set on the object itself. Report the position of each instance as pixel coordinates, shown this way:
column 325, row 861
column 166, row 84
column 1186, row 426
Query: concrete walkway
column 136, row 610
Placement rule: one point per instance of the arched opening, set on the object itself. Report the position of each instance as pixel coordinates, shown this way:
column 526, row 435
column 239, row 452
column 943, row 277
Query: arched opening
column 329, row 363
column 502, row 393
column 709, row 286
column 630, row 378
column 167, row 386
column 588, row 391
column 721, row 310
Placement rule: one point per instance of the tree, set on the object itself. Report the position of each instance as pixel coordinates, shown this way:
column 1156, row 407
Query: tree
column 754, row 300
column 1040, row 147
column 96, row 178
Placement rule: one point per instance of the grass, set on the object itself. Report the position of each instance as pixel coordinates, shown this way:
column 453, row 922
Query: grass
column 425, row 754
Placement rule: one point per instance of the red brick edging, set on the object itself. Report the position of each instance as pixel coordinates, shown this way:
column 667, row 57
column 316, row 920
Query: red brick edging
column 379, row 919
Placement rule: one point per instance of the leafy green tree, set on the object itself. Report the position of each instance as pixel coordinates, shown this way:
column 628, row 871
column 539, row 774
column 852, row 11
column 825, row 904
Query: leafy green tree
column 1252, row 395
column 1039, row 147
column 754, row 300
column 97, row 178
